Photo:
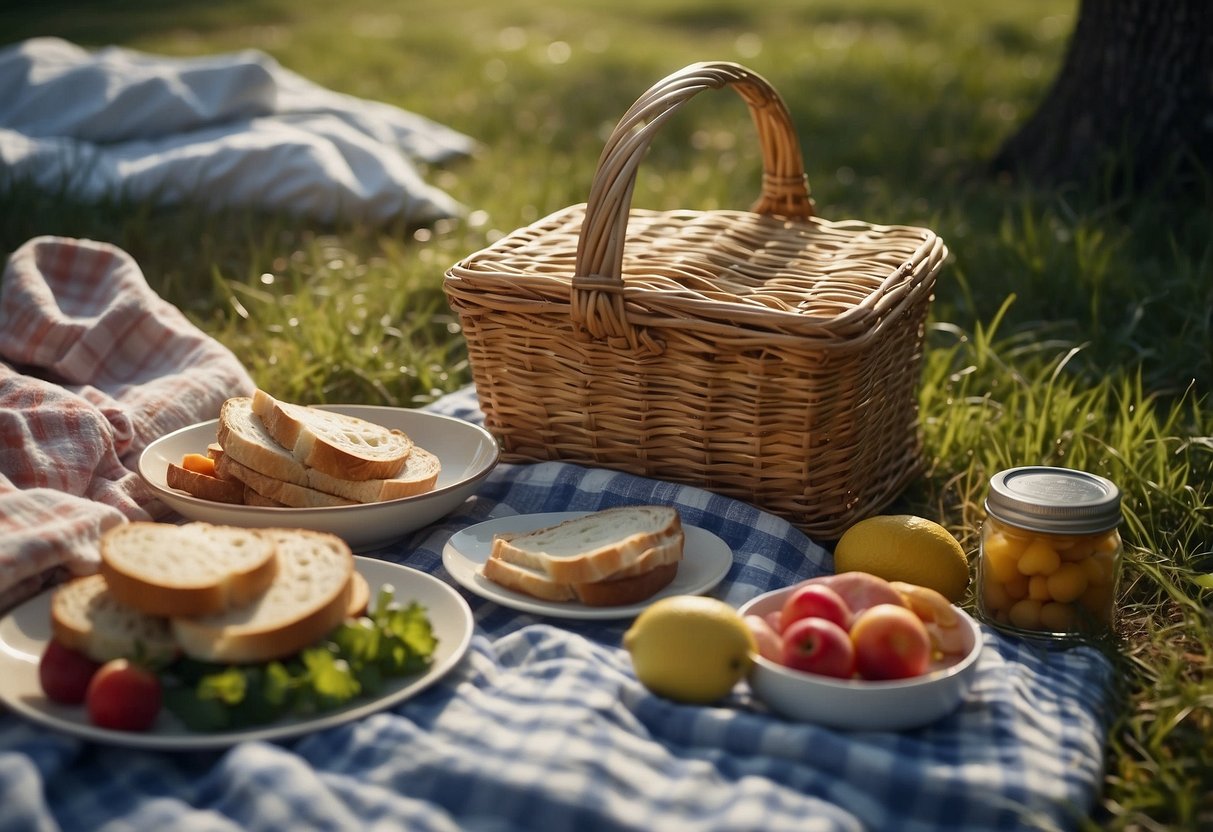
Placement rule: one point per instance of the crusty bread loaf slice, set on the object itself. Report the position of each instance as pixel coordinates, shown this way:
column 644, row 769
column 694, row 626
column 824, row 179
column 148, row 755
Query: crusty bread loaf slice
column 86, row 617
column 194, row 569
column 360, row 595
column 341, row 446
column 203, row 486
column 280, row 491
column 591, row 547
column 651, row 572
column 244, row 439
column 309, row 596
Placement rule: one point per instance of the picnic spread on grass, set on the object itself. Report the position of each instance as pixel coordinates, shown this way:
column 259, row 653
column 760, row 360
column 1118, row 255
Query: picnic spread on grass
column 670, row 414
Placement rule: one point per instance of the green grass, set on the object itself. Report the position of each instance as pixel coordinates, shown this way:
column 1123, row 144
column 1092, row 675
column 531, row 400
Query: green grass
column 1069, row 327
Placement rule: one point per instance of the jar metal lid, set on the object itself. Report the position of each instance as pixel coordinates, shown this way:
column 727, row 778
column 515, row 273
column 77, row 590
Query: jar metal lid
column 1058, row 500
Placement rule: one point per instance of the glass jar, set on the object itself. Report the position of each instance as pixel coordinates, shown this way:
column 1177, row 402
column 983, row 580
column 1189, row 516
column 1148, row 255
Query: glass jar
column 1050, row 553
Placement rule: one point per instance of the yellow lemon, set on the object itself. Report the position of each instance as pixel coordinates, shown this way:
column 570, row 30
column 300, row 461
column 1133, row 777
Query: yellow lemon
column 690, row 648
column 902, row 547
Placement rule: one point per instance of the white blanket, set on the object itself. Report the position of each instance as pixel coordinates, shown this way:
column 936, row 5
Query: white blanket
column 232, row 129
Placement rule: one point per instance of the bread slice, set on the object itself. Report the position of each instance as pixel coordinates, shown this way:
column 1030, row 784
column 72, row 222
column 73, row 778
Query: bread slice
column 611, row 592
column 203, row 486
column 194, row 569
column 651, row 572
column 244, row 439
column 592, row 547
column 339, row 445
column 252, row 498
column 360, row 595
column 279, row 491
column 309, row 596
column 630, row 590
column 86, row 617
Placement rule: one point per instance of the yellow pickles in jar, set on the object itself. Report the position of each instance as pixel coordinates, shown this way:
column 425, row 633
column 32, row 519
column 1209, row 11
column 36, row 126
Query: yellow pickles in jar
column 1050, row 552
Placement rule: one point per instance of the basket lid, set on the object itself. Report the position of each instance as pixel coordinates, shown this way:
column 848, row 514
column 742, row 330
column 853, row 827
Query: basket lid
column 806, row 277
column 775, row 269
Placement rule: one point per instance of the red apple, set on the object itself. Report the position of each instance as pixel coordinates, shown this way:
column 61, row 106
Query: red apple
column 890, row 642
column 65, row 673
column 123, row 696
column 817, row 645
column 814, row 600
column 769, row 644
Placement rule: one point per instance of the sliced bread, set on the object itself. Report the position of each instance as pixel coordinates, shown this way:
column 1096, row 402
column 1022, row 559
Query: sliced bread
column 309, row 596
column 592, row 547
column 244, row 438
column 193, row 569
column 360, row 595
column 339, row 445
column 629, row 590
column 203, row 486
column 252, row 498
column 651, row 572
column 86, row 617
column 279, row 491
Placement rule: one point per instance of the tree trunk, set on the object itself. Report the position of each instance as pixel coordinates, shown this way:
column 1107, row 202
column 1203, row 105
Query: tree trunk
column 1132, row 103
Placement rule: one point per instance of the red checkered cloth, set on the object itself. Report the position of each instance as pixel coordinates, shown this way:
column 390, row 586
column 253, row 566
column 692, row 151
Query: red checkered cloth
column 93, row 366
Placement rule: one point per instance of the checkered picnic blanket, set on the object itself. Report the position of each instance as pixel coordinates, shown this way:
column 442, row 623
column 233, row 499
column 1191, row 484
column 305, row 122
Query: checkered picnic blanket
column 544, row 726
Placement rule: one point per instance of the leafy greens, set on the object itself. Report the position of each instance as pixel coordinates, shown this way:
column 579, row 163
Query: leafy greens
column 357, row 659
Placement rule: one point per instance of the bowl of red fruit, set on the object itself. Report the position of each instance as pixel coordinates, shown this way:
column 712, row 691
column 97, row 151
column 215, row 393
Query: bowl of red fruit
column 855, row 652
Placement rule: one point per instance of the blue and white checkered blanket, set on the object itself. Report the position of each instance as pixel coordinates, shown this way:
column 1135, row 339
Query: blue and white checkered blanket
column 543, row 726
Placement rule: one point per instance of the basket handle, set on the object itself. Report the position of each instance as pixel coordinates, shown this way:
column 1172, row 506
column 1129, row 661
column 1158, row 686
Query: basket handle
column 596, row 301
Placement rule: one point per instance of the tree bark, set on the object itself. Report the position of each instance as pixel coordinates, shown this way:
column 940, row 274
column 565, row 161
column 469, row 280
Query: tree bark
column 1132, row 103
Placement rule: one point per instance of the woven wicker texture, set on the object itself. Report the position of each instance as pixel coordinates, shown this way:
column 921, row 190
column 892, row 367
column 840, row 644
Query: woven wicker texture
column 767, row 355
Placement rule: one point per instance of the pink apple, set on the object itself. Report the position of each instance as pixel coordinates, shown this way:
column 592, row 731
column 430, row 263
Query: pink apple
column 769, row 644
column 817, row 645
column 861, row 590
column 814, row 600
column 890, row 642
column 772, row 619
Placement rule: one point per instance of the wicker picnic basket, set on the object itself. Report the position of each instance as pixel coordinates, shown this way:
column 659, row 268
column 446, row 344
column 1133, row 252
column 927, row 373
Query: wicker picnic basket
column 766, row 355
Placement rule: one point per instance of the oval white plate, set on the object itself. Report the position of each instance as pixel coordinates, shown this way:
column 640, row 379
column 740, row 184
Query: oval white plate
column 467, row 452
column 706, row 560
column 25, row 631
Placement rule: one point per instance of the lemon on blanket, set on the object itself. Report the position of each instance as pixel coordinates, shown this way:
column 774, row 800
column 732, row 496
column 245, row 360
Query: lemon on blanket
column 690, row 648
column 903, row 547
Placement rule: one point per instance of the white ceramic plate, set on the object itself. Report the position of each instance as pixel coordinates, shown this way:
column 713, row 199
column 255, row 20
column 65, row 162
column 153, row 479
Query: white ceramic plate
column 25, row 631
column 467, row 452
column 706, row 560
column 855, row 704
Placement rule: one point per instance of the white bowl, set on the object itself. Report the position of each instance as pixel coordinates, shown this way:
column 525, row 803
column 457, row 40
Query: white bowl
column 856, row 704
column 467, row 453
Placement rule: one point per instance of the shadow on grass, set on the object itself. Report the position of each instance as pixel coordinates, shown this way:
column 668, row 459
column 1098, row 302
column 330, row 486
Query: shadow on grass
column 95, row 24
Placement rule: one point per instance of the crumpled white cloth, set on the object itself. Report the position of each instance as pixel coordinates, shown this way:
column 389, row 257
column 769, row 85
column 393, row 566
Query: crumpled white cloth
column 230, row 129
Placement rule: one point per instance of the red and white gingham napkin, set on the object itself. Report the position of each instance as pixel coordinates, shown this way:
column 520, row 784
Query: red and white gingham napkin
column 93, row 367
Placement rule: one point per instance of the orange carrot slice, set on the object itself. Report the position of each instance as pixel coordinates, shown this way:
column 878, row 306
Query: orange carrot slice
column 199, row 464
